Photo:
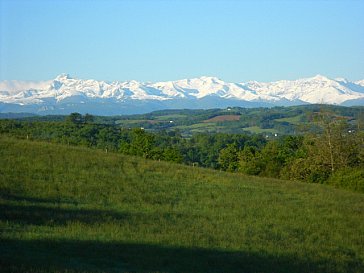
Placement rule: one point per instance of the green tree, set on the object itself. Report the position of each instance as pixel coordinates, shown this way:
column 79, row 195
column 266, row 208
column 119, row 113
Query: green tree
column 89, row 118
column 139, row 143
column 75, row 118
column 249, row 161
column 228, row 158
column 172, row 154
column 335, row 147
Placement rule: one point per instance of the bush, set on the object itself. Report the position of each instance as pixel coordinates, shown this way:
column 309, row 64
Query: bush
column 302, row 169
column 350, row 178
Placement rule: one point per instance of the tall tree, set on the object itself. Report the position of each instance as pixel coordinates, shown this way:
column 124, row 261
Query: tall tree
column 228, row 158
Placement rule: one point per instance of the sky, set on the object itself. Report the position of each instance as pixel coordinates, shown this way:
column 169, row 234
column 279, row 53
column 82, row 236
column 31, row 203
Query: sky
column 150, row 40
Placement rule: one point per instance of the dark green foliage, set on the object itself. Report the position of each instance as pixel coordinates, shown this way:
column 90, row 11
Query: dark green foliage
column 250, row 161
column 172, row 155
column 75, row 118
column 138, row 142
column 348, row 178
column 228, row 158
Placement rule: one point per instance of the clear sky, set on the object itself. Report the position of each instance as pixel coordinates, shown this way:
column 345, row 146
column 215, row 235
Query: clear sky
column 169, row 40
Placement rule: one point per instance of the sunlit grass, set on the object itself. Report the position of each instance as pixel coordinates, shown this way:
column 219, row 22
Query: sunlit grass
column 72, row 208
column 297, row 120
column 258, row 130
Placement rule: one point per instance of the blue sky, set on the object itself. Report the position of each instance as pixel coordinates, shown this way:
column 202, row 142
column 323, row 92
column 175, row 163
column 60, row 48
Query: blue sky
column 169, row 40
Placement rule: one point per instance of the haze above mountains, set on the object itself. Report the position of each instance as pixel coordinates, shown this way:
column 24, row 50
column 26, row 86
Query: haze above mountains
column 65, row 94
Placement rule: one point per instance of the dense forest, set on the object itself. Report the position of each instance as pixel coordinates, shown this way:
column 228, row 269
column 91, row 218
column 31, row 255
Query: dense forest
column 331, row 150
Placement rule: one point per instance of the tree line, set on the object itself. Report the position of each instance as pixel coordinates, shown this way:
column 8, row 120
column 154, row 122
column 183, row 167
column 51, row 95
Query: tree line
column 333, row 153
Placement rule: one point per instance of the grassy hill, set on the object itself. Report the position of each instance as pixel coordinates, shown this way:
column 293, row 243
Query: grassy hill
column 72, row 209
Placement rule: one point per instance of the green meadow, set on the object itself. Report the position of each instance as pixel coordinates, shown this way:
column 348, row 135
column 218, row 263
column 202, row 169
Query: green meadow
column 257, row 130
column 75, row 209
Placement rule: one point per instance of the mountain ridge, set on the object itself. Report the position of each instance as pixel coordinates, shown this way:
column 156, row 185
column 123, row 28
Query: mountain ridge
column 65, row 93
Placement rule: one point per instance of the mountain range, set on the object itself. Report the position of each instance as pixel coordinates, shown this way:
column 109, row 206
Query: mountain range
column 65, row 94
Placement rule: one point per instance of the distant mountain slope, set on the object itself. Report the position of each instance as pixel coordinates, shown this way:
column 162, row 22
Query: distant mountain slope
column 65, row 94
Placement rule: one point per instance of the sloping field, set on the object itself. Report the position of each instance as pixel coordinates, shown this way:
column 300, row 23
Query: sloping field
column 258, row 130
column 70, row 209
column 223, row 118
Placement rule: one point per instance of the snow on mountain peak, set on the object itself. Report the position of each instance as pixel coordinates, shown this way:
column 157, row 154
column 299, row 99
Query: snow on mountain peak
column 62, row 77
column 317, row 89
column 341, row 80
column 210, row 79
column 361, row 82
column 319, row 77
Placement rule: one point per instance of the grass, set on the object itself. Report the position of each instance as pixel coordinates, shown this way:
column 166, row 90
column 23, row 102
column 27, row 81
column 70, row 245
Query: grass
column 130, row 121
column 200, row 127
column 223, row 118
column 297, row 120
column 171, row 117
column 72, row 209
column 258, row 130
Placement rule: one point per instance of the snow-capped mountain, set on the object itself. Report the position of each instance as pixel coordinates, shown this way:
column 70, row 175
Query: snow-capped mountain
column 65, row 94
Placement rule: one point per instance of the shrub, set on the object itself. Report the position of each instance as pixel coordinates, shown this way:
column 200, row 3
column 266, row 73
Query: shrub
column 349, row 178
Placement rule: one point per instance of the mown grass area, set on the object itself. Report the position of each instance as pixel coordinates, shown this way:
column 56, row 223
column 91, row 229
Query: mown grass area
column 72, row 209
column 258, row 130
column 297, row 120
column 200, row 127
